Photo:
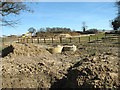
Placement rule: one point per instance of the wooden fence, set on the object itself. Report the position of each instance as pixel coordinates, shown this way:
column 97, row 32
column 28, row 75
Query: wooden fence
column 60, row 39
column 57, row 40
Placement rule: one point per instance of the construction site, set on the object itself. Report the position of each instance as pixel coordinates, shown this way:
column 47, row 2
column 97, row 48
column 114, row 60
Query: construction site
column 64, row 65
column 62, row 58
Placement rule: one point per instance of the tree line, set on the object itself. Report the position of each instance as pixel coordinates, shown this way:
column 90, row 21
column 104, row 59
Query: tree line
column 63, row 30
column 53, row 30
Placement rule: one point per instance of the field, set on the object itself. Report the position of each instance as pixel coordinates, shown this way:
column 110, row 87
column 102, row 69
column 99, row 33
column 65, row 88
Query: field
column 94, row 64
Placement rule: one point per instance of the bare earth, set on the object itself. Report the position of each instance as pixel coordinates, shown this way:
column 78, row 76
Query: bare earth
column 93, row 65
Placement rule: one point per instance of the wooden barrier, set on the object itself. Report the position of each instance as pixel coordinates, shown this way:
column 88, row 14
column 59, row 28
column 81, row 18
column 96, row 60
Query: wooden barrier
column 52, row 39
column 44, row 40
column 97, row 38
column 60, row 39
column 105, row 35
column 38, row 40
column 23, row 40
column 89, row 38
column 18, row 40
column 27, row 40
column 32, row 40
column 70, row 39
column 3, row 40
column 79, row 39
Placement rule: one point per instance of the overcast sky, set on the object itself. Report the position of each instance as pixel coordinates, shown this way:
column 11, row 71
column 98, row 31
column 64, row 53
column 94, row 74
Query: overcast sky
column 64, row 14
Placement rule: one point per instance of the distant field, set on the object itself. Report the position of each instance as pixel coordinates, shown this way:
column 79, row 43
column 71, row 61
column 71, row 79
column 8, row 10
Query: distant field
column 74, row 40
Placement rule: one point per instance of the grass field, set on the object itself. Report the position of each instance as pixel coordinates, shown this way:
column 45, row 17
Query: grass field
column 74, row 40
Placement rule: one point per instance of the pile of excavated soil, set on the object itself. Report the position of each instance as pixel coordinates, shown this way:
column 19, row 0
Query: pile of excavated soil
column 14, row 50
column 97, row 71
column 97, row 68
column 30, row 66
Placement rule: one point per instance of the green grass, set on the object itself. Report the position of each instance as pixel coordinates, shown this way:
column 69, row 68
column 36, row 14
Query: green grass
column 99, row 36
column 74, row 40
column 86, row 38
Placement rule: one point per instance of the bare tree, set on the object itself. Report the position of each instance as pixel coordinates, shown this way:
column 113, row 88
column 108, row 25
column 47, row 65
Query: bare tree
column 118, row 5
column 8, row 8
column 84, row 26
column 116, row 22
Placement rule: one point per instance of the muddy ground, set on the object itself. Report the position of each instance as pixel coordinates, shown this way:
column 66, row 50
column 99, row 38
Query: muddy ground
column 93, row 65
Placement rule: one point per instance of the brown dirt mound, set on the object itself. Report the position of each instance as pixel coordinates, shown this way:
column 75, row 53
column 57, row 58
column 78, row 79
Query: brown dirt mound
column 23, row 50
column 93, row 72
column 33, row 66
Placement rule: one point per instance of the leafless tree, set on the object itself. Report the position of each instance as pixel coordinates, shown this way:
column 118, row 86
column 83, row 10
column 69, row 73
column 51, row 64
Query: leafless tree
column 116, row 21
column 8, row 8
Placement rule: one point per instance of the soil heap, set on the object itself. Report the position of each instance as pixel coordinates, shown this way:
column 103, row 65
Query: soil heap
column 27, row 65
column 31, row 66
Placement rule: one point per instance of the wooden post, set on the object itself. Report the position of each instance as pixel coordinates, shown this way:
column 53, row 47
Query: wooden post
column 70, row 39
column 18, row 40
column 60, row 39
column 52, row 39
column 89, row 38
column 27, row 40
column 79, row 39
column 3, row 40
column 97, row 38
column 38, row 40
column 21, row 40
column 105, row 35
column 44, row 40
column 32, row 40
column 24, row 40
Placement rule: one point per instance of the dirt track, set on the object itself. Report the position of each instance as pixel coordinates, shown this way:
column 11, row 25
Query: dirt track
column 92, row 66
